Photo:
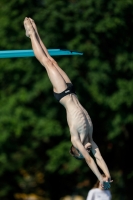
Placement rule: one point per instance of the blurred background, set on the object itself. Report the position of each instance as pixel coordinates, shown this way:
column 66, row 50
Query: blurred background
column 34, row 138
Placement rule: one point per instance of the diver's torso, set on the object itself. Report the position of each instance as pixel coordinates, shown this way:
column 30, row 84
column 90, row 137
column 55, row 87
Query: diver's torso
column 79, row 121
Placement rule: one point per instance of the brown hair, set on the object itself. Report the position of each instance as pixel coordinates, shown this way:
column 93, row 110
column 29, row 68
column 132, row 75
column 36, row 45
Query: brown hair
column 96, row 185
column 75, row 153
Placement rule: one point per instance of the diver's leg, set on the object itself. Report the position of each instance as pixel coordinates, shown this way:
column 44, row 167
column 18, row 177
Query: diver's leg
column 55, row 77
column 63, row 74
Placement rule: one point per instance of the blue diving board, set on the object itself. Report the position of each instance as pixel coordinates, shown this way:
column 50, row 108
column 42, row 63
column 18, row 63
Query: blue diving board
column 30, row 53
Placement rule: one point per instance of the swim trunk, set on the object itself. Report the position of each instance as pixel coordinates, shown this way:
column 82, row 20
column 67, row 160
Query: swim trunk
column 70, row 89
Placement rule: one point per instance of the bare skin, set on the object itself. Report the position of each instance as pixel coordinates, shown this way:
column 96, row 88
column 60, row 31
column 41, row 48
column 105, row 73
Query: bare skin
column 79, row 121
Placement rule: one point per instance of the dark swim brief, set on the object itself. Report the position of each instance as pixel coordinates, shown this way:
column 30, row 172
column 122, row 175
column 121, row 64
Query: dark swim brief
column 70, row 89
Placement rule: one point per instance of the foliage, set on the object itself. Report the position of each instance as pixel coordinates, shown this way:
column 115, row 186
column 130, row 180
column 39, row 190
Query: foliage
column 34, row 139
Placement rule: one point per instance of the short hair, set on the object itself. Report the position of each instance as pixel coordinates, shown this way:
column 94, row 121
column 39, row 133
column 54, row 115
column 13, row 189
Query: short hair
column 75, row 153
column 96, row 185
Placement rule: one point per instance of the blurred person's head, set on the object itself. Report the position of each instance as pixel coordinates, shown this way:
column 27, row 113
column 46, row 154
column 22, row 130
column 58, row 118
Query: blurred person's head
column 97, row 184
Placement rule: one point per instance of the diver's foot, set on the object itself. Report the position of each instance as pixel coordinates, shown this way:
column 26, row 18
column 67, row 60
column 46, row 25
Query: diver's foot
column 33, row 24
column 28, row 27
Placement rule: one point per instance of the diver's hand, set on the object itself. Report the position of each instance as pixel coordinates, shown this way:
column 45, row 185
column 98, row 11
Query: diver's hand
column 105, row 184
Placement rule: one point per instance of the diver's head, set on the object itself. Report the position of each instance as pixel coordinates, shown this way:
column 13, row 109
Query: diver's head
column 77, row 154
column 88, row 146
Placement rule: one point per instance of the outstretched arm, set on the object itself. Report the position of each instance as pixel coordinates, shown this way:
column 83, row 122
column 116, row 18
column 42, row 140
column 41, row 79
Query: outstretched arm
column 100, row 161
column 91, row 163
column 89, row 160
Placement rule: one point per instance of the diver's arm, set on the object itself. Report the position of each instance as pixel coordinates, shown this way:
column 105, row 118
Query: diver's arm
column 99, row 159
column 89, row 160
